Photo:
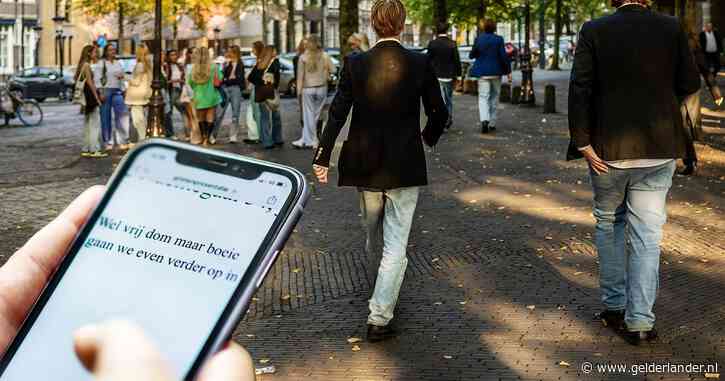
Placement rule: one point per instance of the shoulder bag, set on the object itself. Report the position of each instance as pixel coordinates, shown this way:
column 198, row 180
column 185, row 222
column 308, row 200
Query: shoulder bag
column 79, row 97
column 266, row 91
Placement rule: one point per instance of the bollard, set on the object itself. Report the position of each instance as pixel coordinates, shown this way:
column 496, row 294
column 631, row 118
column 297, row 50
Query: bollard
column 505, row 96
column 516, row 95
column 550, row 99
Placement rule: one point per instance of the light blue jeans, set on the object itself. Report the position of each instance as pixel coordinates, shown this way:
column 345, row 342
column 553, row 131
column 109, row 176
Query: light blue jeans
column 390, row 214
column 234, row 99
column 488, row 92
column 630, row 209
column 447, row 93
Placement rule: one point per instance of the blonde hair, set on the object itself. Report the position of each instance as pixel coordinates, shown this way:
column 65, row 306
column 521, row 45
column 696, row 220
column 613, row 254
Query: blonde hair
column 361, row 39
column 143, row 56
column 388, row 17
column 201, row 69
column 313, row 55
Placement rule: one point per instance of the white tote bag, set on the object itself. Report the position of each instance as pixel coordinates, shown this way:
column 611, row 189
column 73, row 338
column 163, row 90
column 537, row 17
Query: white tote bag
column 252, row 129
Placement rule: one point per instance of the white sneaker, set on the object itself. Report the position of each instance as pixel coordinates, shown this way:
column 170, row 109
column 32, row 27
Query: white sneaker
column 298, row 144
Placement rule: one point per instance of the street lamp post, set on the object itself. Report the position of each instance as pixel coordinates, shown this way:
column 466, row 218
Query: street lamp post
column 155, row 127
column 60, row 39
column 37, row 30
column 527, row 71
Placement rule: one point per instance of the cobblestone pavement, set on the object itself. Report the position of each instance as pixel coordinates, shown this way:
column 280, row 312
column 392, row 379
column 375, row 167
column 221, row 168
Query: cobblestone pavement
column 502, row 281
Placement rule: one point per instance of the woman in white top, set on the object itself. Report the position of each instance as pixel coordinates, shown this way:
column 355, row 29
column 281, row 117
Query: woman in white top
column 313, row 72
column 139, row 90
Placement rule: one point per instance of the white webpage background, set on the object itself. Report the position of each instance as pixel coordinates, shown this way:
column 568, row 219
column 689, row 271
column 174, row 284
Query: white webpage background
column 176, row 308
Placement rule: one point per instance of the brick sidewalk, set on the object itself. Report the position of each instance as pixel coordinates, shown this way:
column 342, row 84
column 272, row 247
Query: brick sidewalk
column 502, row 282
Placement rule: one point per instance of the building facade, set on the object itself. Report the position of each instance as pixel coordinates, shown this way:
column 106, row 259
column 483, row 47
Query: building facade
column 18, row 35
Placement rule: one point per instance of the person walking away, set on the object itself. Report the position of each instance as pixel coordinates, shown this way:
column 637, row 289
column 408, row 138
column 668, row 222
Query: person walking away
column 253, row 109
column 93, row 100
column 139, row 91
column 266, row 73
column 625, row 120
column 443, row 53
column 383, row 156
column 315, row 68
column 711, row 42
column 202, row 77
column 175, row 77
column 233, row 82
column 114, row 113
column 491, row 64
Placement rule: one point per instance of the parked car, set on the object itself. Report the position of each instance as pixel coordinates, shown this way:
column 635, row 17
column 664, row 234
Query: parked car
column 41, row 82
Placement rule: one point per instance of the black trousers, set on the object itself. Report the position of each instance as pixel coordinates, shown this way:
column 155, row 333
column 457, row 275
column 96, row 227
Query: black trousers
column 713, row 62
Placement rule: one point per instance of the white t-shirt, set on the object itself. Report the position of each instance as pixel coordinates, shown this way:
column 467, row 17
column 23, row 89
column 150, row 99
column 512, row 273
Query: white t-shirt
column 113, row 71
column 711, row 42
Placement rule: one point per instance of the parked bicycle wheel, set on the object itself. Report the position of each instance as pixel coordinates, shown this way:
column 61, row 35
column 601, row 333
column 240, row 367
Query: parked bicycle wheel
column 30, row 113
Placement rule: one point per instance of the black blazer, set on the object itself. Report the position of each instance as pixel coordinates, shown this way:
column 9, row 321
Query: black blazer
column 239, row 75
column 631, row 70
column 718, row 40
column 443, row 54
column 384, row 87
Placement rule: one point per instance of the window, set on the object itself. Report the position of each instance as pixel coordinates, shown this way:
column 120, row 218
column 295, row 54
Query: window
column 4, row 33
column 68, row 10
column 29, row 48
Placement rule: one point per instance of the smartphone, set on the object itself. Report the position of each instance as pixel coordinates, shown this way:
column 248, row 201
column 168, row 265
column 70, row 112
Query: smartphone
column 179, row 243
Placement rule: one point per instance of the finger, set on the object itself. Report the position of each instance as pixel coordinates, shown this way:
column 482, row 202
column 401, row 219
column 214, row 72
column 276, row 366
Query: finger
column 118, row 350
column 232, row 363
column 27, row 271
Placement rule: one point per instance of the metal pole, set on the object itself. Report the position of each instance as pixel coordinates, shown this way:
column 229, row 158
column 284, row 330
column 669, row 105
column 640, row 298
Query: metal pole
column 527, row 71
column 22, row 34
column 62, row 53
column 155, row 127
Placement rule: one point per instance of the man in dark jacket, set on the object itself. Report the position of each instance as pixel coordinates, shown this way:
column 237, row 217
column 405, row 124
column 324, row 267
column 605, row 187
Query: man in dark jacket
column 711, row 43
column 443, row 54
column 624, row 118
column 383, row 156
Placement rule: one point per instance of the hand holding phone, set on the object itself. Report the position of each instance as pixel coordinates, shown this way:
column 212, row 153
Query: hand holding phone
column 178, row 244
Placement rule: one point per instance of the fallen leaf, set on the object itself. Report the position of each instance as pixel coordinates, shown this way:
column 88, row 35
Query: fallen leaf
column 531, row 307
column 438, row 303
column 286, row 297
column 263, row 361
column 435, row 260
column 353, row 340
column 563, row 364
column 578, row 273
column 355, row 348
column 703, row 260
column 296, row 270
column 463, row 303
column 250, row 335
column 549, row 238
column 447, row 357
column 712, row 376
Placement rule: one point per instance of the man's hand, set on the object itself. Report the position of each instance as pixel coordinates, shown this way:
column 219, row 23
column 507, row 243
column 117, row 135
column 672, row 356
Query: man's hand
column 595, row 162
column 119, row 350
column 320, row 173
column 111, row 351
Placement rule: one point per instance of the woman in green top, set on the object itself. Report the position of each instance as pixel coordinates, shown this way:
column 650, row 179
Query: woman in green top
column 203, row 76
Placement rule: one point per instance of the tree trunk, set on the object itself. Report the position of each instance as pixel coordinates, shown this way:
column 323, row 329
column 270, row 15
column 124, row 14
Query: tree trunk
column 349, row 22
column 264, row 21
column 291, row 43
column 481, row 15
column 440, row 14
column 557, row 35
column 121, row 50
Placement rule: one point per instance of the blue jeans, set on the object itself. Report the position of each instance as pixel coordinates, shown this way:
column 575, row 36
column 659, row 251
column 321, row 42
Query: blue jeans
column 390, row 214
column 233, row 97
column 488, row 92
column 629, row 206
column 447, row 93
column 115, row 104
column 270, row 125
column 171, row 101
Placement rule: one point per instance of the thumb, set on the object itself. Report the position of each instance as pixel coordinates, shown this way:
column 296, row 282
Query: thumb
column 230, row 364
column 118, row 350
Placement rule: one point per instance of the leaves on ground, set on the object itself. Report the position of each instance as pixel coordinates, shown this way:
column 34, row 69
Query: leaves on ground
column 355, row 348
column 353, row 340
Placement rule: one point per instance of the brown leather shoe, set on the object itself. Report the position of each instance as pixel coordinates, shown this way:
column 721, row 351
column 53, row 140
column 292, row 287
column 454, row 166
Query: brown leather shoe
column 380, row 332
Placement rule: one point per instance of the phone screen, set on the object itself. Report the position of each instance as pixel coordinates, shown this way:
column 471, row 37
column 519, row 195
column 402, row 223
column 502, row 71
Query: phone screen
column 167, row 251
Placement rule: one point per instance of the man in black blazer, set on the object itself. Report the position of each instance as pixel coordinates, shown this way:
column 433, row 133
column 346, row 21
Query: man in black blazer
column 630, row 70
column 711, row 43
column 383, row 156
column 443, row 54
